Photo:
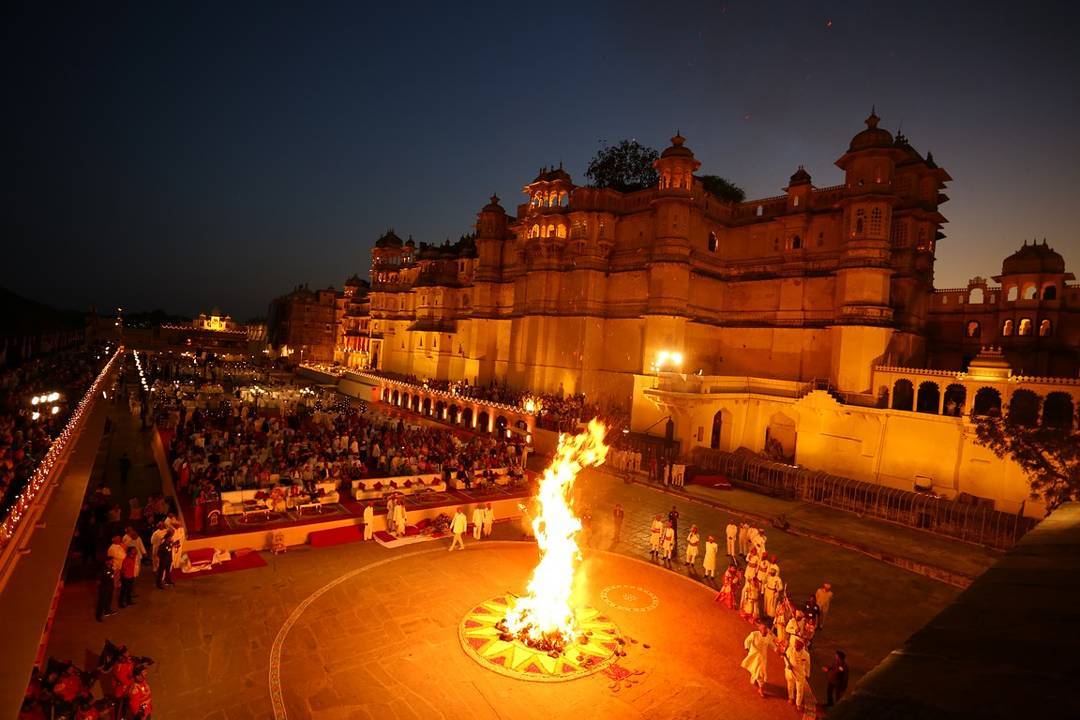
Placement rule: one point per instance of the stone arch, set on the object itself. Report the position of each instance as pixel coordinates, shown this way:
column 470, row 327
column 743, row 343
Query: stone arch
column 483, row 421
column 440, row 410
column 1025, row 328
column 500, row 425
column 976, row 296
column 903, row 395
column 1058, row 411
column 1050, row 292
column 987, row 402
column 397, row 398
column 386, row 394
column 953, row 402
column 467, row 417
column 973, row 329
column 1046, row 328
column 416, row 403
column 781, row 438
column 928, row 398
column 1024, row 408
column 1007, row 328
column 1012, row 293
column 453, row 414
column 427, row 406
column 1030, row 292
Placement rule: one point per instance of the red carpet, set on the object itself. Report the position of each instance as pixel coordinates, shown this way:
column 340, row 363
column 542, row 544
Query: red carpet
column 336, row 536
column 244, row 561
column 713, row 481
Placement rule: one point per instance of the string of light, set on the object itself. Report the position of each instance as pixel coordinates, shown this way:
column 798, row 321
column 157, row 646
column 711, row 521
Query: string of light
column 41, row 474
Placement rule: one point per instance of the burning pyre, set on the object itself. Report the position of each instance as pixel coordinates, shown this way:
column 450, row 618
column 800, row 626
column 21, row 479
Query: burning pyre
column 544, row 619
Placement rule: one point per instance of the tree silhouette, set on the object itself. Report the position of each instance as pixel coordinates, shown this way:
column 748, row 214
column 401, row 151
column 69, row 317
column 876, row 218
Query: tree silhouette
column 625, row 167
column 1049, row 456
column 722, row 188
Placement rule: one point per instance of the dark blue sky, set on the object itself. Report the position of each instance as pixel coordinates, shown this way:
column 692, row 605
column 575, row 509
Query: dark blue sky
column 217, row 155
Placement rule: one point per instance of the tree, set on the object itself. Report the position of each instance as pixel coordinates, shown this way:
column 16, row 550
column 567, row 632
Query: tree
column 1049, row 456
column 625, row 167
column 722, row 188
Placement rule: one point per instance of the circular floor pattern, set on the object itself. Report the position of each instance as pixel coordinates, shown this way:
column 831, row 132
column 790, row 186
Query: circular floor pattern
column 632, row 598
column 480, row 639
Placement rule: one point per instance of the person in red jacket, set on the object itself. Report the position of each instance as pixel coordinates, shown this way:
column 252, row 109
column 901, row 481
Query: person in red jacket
column 140, row 704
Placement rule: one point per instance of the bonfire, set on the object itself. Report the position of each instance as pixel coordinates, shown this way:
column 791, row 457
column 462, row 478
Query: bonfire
column 544, row 618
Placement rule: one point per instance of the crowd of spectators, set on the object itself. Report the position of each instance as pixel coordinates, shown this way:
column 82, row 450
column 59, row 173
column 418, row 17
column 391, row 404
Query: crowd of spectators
column 115, row 688
column 318, row 438
column 28, row 429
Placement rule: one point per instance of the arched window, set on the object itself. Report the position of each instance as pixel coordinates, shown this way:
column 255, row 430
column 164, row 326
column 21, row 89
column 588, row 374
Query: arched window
column 927, row 400
column 953, row 405
column 1058, row 411
column 987, row 402
column 550, row 231
column 860, row 216
column 1007, row 328
column 1045, row 328
column 876, row 222
column 713, row 242
column 717, row 426
column 760, row 210
column 1012, row 294
column 973, row 329
column 1050, row 292
column 535, row 232
column 560, row 231
column 975, row 297
column 903, row 396
column 1024, row 408
column 1025, row 326
column 795, row 201
column 796, row 243
column 465, row 300
column 1029, row 292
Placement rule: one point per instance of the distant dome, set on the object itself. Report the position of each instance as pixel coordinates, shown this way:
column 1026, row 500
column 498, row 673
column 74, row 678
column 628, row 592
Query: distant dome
column 677, row 149
column 494, row 205
column 801, row 177
column 1032, row 259
column 388, row 239
column 872, row 136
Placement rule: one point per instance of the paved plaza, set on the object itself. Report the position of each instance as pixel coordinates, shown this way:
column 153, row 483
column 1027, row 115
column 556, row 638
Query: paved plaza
column 362, row 631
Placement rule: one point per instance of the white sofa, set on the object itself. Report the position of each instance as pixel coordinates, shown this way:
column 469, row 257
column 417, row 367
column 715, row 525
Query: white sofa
column 370, row 488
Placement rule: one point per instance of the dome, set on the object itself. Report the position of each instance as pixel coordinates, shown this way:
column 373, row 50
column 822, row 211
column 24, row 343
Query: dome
column 872, row 136
column 1033, row 259
column 677, row 149
column 494, row 205
column 388, row 239
column 801, row 177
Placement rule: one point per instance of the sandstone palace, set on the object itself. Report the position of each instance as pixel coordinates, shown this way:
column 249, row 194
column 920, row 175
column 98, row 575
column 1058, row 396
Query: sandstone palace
column 805, row 321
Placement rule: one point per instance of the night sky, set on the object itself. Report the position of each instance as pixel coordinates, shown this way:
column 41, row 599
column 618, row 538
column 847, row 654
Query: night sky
column 198, row 156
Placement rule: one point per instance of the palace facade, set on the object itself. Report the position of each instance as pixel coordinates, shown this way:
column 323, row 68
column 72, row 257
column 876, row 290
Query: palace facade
column 583, row 288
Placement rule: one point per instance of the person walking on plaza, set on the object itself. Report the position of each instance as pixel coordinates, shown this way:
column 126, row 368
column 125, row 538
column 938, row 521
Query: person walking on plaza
column 708, row 563
column 617, row 518
column 838, row 679
column 163, row 577
column 729, row 587
column 744, row 528
column 155, row 542
column 756, row 662
column 489, row 520
column 369, row 521
column 693, row 540
column 129, row 570
column 458, row 526
column 673, row 518
column 477, row 521
column 667, row 544
column 823, row 595
column 656, row 531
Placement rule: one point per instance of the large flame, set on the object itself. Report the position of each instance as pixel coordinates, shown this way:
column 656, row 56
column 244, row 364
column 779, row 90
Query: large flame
column 545, row 612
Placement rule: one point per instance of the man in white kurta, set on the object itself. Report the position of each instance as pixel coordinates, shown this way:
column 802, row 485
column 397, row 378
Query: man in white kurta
column 709, row 561
column 773, row 586
column 116, row 553
column 477, row 521
column 390, row 503
column 757, row 657
column 132, row 539
column 797, row 672
column 458, row 526
column 731, row 532
column 400, row 519
column 369, row 521
column 155, row 541
column 823, row 596
column 693, row 540
column 489, row 520
column 667, row 543
column 655, row 533
column 743, row 530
